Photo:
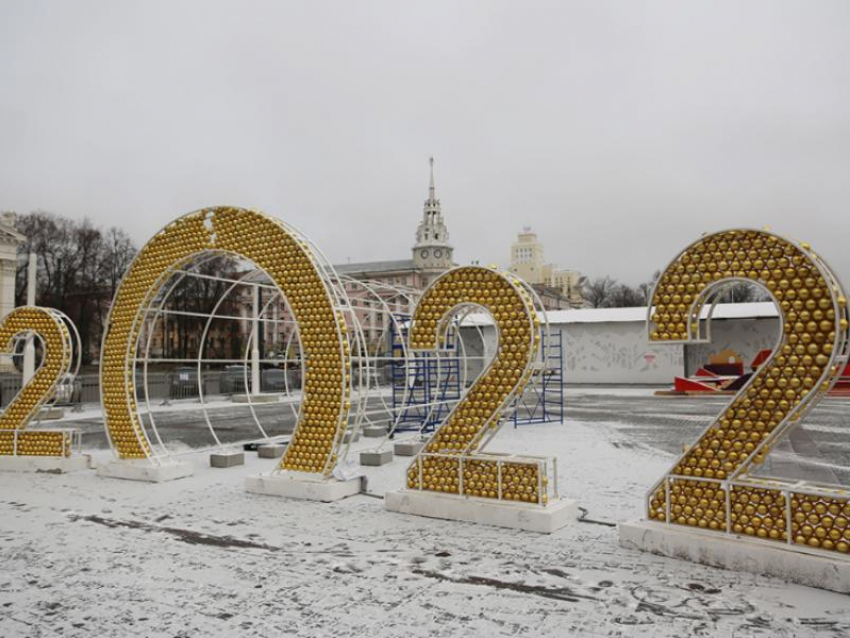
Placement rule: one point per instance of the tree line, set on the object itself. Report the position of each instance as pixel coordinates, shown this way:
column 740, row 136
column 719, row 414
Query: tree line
column 79, row 268
column 607, row 292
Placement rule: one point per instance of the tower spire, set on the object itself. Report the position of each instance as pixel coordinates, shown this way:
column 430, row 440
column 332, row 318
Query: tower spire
column 431, row 189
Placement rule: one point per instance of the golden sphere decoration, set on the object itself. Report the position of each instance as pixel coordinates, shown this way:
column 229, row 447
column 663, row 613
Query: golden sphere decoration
column 56, row 361
column 291, row 265
column 813, row 311
column 480, row 410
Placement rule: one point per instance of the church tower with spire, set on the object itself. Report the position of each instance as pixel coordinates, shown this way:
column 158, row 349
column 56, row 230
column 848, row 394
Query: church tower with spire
column 432, row 253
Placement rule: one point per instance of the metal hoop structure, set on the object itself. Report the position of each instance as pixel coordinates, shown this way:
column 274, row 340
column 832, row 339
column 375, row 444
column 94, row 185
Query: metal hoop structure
column 716, row 484
column 255, row 292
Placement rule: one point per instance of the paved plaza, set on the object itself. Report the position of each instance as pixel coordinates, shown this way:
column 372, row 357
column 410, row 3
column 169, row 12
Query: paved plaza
column 87, row 556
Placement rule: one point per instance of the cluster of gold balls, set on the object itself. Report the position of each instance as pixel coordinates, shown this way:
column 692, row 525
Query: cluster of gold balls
column 821, row 521
column 58, row 347
column 35, row 443
column 800, row 366
column 513, row 313
column 693, row 503
column 286, row 259
column 759, row 512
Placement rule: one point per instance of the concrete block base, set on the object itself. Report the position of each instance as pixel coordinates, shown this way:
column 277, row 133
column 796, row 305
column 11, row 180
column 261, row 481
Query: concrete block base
column 144, row 470
column 227, row 459
column 346, row 438
column 271, row 451
column 374, row 431
column 255, row 398
column 793, row 563
column 51, row 414
column 376, row 457
column 51, row 464
column 544, row 520
column 302, row 486
column 408, row 448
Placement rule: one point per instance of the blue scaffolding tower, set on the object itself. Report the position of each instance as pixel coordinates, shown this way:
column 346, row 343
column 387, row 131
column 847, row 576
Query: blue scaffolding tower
column 422, row 381
column 543, row 399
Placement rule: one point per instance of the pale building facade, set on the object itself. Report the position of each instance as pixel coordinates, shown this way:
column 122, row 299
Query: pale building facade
column 528, row 260
column 10, row 240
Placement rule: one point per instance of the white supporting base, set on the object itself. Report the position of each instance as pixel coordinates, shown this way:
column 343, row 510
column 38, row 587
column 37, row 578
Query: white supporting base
column 792, row 563
column 52, row 464
column 302, row 486
column 531, row 518
column 144, row 470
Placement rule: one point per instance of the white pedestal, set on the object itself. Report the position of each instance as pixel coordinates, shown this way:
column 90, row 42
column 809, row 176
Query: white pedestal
column 793, row 563
column 302, row 486
column 145, row 470
column 51, row 464
column 486, row 512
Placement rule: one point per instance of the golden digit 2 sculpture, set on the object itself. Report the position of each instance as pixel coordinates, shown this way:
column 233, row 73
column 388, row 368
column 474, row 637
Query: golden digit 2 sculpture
column 449, row 462
column 50, row 328
column 714, row 485
column 289, row 261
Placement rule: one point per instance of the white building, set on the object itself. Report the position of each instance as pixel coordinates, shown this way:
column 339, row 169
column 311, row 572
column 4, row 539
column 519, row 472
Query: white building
column 611, row 345
column 10, row 240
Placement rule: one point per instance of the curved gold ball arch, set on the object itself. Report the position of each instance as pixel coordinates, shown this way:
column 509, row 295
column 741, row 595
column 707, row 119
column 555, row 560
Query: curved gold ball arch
column 288, row 259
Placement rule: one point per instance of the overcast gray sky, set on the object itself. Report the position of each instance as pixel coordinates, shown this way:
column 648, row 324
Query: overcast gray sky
column 620, row 131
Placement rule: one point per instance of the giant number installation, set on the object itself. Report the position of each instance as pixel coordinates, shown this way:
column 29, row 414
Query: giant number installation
column 50, row 328
column 452, row 461
column 289, row 261
column 714, row 485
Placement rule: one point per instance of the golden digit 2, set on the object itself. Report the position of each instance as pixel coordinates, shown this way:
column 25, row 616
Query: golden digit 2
column 478, row 413
column 57, row 356
column 289, row 262
column 713, row 485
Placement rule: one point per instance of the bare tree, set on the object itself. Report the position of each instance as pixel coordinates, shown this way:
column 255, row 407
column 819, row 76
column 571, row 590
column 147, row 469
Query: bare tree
column 623, row 296
column 743, row 292
column 79, row 267
column 598, row 292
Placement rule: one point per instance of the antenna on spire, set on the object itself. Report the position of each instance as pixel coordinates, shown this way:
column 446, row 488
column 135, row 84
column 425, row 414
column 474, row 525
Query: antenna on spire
column 431, row 187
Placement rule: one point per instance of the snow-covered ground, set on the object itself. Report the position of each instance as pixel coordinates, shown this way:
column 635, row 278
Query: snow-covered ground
column 87, row 556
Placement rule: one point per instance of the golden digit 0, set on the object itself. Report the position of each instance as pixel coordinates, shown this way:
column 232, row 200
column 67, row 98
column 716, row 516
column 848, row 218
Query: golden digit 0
column 713, row 485
column 478, row 413
column 289, row 262
column 57, row 357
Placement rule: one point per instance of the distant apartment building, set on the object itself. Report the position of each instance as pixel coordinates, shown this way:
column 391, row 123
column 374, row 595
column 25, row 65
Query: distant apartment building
column 558, row 288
